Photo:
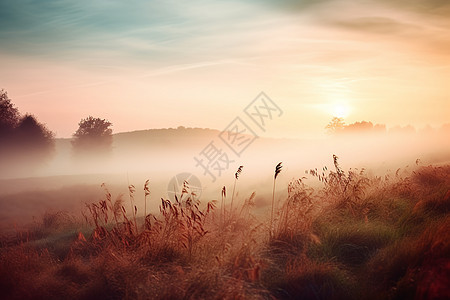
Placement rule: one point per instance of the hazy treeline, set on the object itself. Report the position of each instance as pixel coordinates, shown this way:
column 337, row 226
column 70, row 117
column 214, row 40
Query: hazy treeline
column 24, row 141
column 27, row 144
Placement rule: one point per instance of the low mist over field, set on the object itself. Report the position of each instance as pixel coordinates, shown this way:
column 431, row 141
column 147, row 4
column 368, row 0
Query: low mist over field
column 160, row 154
column 174, row 150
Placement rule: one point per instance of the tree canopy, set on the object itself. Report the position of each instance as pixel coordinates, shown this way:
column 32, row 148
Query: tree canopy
column 30, row 131
column 92, row 135
column 23, row 140
column 336, row 125
column 9, row 115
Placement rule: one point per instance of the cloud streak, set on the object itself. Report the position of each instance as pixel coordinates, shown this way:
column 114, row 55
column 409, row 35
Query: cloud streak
column 163, row 33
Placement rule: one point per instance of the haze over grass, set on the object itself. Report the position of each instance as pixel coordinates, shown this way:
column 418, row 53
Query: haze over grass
column 354, row 236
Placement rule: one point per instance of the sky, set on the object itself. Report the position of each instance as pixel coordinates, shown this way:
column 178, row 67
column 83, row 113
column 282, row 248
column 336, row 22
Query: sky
column 158, row 64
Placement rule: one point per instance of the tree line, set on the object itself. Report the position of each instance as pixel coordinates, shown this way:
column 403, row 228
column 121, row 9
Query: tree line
column 24, row 139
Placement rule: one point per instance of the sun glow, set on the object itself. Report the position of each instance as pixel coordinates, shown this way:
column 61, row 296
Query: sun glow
column 340, row 110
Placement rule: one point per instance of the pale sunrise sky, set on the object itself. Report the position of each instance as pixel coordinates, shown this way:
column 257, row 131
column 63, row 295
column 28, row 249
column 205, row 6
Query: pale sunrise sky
column 155, row 64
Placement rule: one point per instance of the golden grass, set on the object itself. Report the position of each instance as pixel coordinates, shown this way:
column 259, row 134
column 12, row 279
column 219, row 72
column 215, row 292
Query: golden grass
column 355, row 237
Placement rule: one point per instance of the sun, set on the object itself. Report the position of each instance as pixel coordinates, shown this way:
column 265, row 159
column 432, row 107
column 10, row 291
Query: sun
column 341, row 110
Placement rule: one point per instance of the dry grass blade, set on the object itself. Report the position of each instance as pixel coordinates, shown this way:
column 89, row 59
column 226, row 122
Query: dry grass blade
column 277, row 172
column 278, row 169
column 222, row 208
column 146, row 194
column 238, row 172
column 236, row 177
column 117, row 208
column 131, row 190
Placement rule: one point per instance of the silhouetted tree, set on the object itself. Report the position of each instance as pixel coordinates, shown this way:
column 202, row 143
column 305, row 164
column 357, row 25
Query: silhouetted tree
column 364, row 127
column 9, row 115
column 30, row 132
column 33, row 143
column 24, row 142
column 93, row 136
column 359, row 126
column 336, row 125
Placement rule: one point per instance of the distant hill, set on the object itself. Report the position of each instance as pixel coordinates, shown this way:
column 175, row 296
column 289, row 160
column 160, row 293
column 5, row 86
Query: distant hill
column 163, row 138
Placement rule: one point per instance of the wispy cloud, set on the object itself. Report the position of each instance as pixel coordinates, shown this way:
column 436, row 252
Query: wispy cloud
column 144, row 30
column 165, row 33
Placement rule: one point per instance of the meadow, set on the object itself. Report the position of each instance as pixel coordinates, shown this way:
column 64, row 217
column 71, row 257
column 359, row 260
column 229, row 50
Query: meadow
column 350, row 235
column 294, row 149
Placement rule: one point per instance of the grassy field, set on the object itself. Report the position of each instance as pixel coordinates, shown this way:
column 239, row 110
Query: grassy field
column 355, row 236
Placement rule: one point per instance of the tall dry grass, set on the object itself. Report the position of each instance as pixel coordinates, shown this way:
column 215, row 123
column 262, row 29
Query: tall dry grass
column 355, row 237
